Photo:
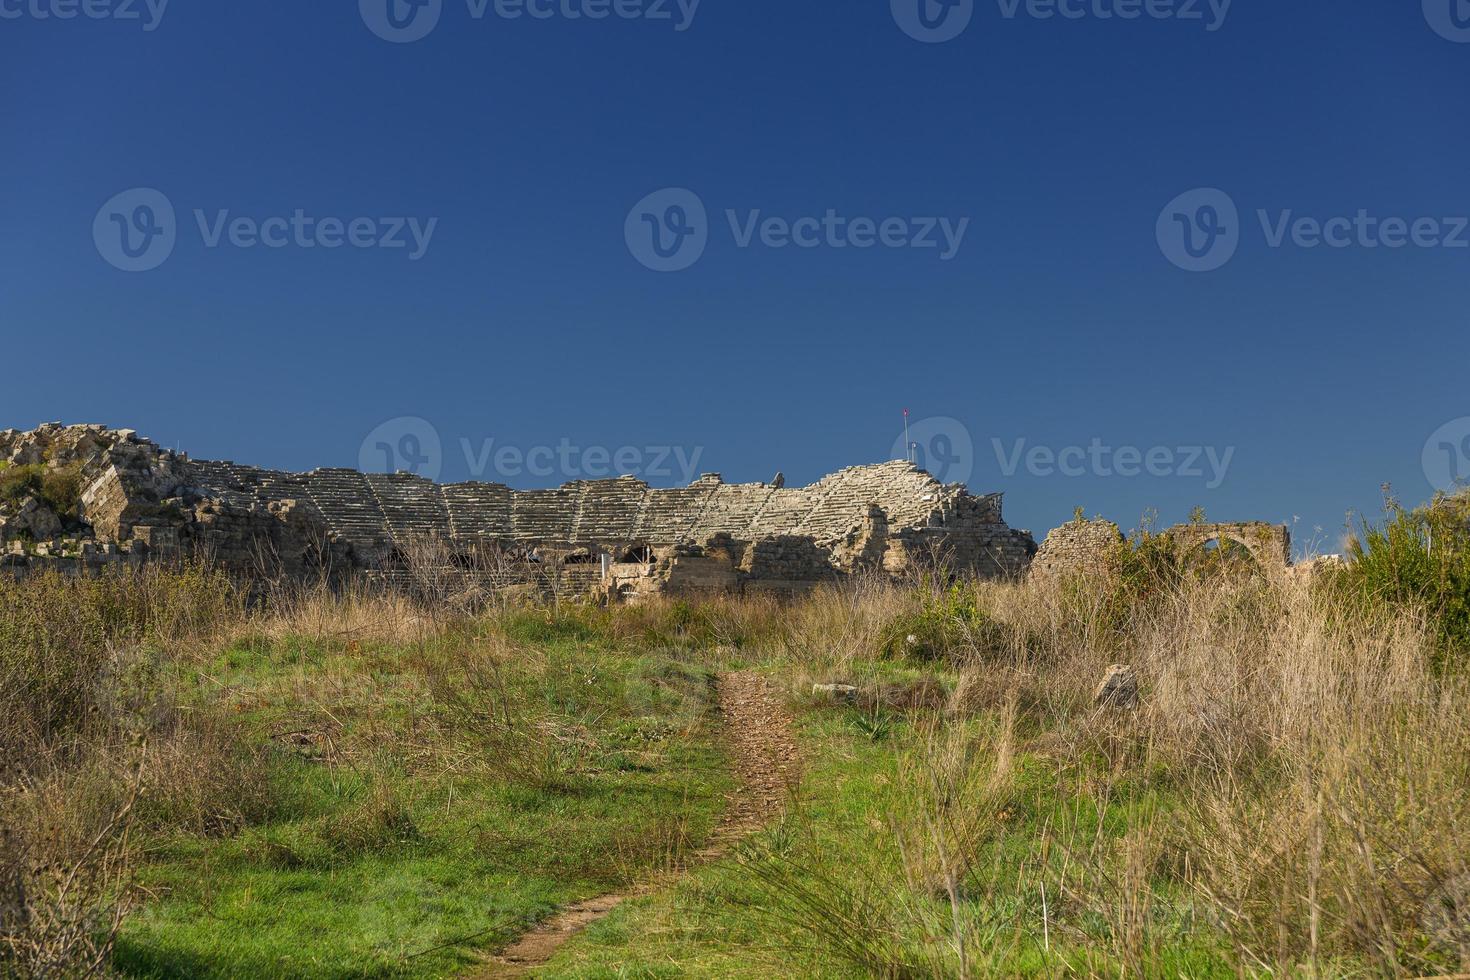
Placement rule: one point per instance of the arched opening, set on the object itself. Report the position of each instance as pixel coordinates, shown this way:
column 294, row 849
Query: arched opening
column 1222, row 553
column 640, row 554
column 582, row 556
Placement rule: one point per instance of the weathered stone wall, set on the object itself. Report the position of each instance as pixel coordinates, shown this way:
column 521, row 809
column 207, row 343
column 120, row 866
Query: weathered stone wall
column 1268, row 544
column 1078, row 548
column 1084, row 547
column 709, row 535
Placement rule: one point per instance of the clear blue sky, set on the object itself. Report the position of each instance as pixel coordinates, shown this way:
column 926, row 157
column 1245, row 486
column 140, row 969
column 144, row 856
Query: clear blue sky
column 1059, row 319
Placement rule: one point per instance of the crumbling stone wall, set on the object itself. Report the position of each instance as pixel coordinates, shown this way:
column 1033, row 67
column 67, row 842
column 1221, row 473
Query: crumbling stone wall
column 1080, row 547
column 710, row 535
column 1268, row 544
column 1083, row 547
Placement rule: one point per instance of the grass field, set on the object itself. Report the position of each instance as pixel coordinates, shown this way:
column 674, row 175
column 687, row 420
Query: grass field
column 352, row 786
column 393, row 848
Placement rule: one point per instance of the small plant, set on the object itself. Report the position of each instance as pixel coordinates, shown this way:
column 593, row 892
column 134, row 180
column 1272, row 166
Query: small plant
column 875, row 725
column 510, row 726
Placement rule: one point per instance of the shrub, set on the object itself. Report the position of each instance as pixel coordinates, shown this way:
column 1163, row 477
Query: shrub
column 19, row 482
column 947, row 625
column 59, row 488
column 1419, row 559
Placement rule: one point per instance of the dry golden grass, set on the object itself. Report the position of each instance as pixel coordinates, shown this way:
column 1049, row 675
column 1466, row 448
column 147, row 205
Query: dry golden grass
column 1307, row 763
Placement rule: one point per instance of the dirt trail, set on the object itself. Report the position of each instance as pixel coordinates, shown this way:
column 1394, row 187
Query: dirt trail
column 764, row 752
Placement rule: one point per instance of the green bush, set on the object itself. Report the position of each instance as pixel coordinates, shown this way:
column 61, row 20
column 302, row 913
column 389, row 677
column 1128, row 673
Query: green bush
column 1419, row 559
column 19, row 482
column 60, row 637
column 60, row 488
column 947, row 626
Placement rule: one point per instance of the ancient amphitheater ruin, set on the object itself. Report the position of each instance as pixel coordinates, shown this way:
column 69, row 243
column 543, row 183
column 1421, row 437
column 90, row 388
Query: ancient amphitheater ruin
column 134, row 502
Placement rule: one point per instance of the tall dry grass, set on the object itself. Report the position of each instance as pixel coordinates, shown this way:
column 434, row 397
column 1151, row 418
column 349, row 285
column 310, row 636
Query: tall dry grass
column 1295, row 783
column 103, row 736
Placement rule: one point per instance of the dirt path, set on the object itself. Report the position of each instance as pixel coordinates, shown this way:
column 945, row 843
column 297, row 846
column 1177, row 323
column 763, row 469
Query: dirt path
column 764, row 752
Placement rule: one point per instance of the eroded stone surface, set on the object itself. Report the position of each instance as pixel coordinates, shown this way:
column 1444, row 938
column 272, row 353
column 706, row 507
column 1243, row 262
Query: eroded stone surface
column 1089, row 548
column 621, row 536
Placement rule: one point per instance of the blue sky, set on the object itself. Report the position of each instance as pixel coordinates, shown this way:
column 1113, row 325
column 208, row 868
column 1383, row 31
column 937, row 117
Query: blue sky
column 530, row 153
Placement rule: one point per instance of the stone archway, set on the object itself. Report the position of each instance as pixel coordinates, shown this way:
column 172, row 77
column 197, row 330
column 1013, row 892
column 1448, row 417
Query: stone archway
column 1268, row 544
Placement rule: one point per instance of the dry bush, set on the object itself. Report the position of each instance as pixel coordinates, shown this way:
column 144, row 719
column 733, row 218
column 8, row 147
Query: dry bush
column 356, row 612
column 61, row 906
column 90, row 668
column 950, row 791
column 205, row 778
column 719, row 624
column 85, row 679
column 491, row 710
column 837, row 627
column 1322, row 767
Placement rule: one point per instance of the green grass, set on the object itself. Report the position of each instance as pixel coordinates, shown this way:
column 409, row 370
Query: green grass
column 732, row 919
column 392, row 851
column 318, row 801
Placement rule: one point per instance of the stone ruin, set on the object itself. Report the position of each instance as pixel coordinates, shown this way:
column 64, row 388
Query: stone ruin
column 621, row 538
column 1085, row 547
